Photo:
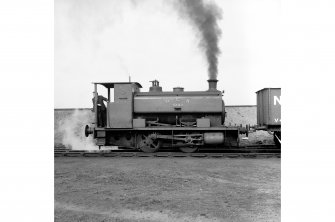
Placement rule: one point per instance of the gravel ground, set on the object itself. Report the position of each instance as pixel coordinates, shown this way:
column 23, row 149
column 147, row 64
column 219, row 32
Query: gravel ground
column 167, row 189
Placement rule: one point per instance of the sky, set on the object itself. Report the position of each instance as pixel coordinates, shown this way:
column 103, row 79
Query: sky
column 110, row 40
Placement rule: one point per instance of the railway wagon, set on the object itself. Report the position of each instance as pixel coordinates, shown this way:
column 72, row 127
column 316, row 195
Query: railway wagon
column 269, row 112
column 157, row 119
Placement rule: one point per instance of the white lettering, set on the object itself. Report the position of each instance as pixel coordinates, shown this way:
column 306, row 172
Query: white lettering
column 276, row 100
column 276, row 120
column 177, row 104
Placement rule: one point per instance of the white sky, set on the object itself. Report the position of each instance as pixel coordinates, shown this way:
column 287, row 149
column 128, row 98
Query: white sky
column 106, row 40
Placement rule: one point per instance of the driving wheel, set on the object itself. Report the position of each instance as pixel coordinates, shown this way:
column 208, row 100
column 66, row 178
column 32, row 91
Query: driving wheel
column 148, row 143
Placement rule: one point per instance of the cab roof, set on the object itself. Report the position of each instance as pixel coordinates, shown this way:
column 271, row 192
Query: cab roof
column 111, row 84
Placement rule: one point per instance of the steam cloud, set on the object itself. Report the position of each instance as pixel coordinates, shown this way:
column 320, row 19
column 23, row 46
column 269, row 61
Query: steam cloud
column 204, row 17
column 71, row 130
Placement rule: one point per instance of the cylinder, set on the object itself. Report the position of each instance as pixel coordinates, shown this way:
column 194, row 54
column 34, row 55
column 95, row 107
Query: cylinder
column 213, row 138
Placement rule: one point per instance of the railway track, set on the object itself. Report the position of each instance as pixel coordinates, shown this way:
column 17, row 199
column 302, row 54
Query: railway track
column 239, row 152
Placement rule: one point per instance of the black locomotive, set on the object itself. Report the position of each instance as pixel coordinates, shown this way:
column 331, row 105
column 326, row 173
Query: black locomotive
column 159, row 119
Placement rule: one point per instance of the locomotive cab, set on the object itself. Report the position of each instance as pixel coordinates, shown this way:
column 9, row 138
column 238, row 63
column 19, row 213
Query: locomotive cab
column 119, row 111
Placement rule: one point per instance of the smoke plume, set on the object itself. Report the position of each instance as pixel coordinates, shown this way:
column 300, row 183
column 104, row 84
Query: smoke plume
column 71, row 130
column 204, row 18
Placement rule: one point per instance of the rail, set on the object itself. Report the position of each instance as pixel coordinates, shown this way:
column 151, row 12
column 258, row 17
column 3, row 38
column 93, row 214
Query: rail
column 241, row 152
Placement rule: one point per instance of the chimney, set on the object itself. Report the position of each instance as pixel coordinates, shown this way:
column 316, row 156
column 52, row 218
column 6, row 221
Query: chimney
column 212, row 84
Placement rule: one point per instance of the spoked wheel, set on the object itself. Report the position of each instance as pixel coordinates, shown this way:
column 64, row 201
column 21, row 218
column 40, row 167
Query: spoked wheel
column 148, row 143
column 188, row 149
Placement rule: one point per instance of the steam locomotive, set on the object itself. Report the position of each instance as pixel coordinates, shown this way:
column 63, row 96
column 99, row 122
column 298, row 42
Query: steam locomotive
column 157, row 119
